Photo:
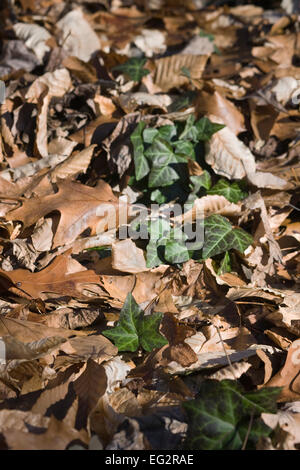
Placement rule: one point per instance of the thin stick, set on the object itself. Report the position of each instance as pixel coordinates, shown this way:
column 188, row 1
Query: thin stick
column 248, row 432
column 226, row 354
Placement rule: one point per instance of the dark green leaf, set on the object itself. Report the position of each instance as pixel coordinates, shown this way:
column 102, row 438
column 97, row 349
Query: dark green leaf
column 217, row 229
column 185, row 147
column 221, row 415
column 232, row 192
column 135, row 329
column 125, row 335
column 176, row 252
column 133, row 68
column 148, row 331
column 162, row 176
column 206, row 128
column 140, row 162
column 220, row 236
column 225, row 266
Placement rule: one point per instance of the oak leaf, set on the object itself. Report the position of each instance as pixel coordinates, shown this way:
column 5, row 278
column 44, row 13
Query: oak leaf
column 79, row 206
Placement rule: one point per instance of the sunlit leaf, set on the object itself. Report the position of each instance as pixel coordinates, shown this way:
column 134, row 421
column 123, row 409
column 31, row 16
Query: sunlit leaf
column 134, row 328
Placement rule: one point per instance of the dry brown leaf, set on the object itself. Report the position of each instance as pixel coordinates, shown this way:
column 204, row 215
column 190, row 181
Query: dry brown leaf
column 178, row 350
column 15, row 349
column 57, row 437
column 127, row 257
column 28, row 331
column 73, row 165
column 207, row 205
column 288, row 376
column 35, row 38
column 79, row 206
column 89, row 387
column 78, row 38
column 80, row 69
column 224, row 110
column 58, row 84
column 168, row 70
column 230, row 157
column 55, row 278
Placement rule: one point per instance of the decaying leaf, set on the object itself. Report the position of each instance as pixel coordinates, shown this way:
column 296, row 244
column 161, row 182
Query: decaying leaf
column 149, row 225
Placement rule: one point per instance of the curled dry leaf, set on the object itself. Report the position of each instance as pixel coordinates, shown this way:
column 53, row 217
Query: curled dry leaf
column 211, row 204
column 58, row 84
column 35, row 38
column 230, row 157
column 288, row 376
column 286, row 424
column 73, row 165
column 78, row 38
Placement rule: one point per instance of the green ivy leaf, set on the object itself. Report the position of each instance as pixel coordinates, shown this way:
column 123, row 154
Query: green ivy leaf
column 225, row 265
column 232, row 192
column 239, row 240
column 140, row 162
column 125, row 335
column 152, row 258
column 200, row 130
column 200, row 181
column 149, row 134
column 185, row 147
column 220, row 415
column 158, row 196
column 220, row 236
column 162, row 156
column 190, row 131
column 217, row 229
column 149, row 336
column 167, row 132
column 162, row 176
column 176, row 252
column 134, row 328
column 206, row 128
column 161, row 152
column 133, row 68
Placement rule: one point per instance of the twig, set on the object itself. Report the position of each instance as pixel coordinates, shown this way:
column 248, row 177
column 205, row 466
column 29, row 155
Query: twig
column 248, row 432
column 226, row 354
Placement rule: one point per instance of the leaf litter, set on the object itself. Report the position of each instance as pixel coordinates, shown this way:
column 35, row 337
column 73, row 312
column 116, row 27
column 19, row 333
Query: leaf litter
column 167, row 340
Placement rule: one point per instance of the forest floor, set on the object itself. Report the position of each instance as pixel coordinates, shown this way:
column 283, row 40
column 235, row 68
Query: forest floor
column 149, row 225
